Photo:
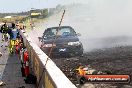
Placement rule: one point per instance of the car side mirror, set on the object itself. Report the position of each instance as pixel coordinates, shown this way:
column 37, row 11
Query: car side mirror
column 40, row 38
column 78, row 34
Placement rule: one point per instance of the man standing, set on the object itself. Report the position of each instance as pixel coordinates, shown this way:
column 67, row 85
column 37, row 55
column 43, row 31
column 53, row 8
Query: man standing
column 14, row 35
column 4, row 31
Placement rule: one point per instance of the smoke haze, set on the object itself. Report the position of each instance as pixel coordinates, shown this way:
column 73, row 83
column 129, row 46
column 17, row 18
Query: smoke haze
column 102, row 23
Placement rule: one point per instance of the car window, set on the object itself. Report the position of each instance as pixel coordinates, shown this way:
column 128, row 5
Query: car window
column 49, row 33
column 63, row 32
column 66, row 31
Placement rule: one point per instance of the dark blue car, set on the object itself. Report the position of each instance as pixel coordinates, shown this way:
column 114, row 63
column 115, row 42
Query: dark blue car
column 63, row 42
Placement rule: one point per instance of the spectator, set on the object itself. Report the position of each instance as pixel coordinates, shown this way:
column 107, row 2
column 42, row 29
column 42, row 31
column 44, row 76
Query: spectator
column 4, row 30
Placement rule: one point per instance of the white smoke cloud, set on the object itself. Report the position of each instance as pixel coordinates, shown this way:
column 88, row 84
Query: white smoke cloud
column 102, row 23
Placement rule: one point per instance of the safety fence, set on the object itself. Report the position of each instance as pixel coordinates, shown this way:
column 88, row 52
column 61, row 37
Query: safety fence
column 47, row 73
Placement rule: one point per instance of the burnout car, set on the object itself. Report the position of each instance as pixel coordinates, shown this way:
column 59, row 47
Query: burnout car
column 64, row 42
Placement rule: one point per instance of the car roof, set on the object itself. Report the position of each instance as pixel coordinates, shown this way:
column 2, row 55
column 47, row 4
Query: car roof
column 60, row 27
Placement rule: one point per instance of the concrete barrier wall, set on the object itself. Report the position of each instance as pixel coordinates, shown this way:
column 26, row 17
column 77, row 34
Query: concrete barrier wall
column 48, row 74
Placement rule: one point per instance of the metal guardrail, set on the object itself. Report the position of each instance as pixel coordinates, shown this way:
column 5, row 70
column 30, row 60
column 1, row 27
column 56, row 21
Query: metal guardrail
column 49, row 76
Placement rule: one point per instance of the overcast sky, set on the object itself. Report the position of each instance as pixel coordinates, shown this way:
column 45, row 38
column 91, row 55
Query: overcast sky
column 24, row 5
